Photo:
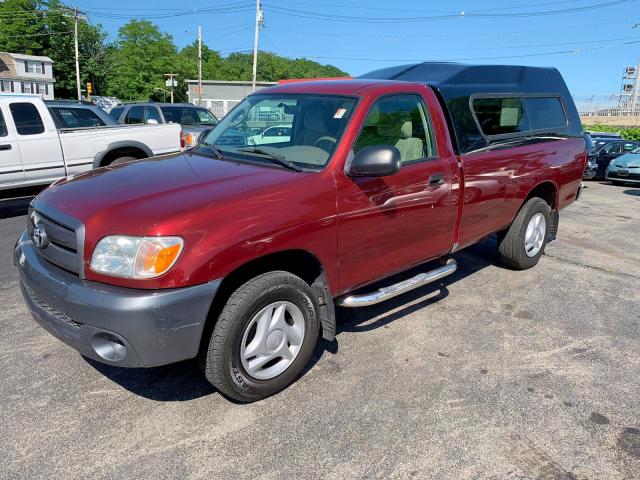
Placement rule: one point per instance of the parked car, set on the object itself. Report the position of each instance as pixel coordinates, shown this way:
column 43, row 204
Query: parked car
column 625, row 168
column 194, row 119
column 275, row 134
column 608, row 151
column 41, row 142
column 238, row 254
column 592, row 166
column 609, row 135
column 77, row 114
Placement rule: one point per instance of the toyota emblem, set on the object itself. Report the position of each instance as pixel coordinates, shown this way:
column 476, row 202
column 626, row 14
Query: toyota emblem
column 39, row 237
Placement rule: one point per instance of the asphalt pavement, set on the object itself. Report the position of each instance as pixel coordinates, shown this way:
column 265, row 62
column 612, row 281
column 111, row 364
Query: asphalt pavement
column 491, row 374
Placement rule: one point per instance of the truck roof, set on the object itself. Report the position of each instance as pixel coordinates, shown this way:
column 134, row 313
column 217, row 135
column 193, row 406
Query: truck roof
column 456, row 84
column 338, row 87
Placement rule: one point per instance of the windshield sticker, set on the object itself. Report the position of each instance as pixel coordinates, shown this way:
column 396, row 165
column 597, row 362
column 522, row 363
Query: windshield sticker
column 340, row 113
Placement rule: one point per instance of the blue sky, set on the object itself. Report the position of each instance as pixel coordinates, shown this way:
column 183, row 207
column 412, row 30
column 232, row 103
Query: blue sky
column 598, row 38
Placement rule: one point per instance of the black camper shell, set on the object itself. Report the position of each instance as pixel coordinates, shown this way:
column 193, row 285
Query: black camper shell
column 464, row 89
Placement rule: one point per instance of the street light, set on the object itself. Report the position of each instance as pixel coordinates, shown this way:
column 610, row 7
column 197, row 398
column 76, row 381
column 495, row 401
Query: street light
column 164, row 93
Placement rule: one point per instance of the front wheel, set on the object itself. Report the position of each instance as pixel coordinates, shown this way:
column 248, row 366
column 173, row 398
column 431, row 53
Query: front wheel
column 264, row 337
column 522, row 244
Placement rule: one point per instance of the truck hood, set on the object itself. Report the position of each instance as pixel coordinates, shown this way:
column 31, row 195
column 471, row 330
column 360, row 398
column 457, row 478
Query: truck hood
column 135, row 197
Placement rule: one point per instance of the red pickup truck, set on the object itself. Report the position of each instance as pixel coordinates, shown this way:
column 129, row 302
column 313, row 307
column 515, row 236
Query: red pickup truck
column 236, row 251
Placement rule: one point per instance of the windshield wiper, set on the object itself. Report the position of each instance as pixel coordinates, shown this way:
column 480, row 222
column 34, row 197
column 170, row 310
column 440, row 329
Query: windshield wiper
column 279, row 159
column 217, row 153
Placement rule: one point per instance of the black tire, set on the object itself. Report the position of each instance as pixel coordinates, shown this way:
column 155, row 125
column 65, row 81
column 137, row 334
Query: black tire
column 120, row 160
column 221, row 360
column 511, row 242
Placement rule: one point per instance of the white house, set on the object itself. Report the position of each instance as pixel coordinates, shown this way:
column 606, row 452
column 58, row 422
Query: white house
column 26, row 74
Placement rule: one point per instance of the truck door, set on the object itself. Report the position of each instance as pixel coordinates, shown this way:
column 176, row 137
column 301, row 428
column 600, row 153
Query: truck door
column 10, row 164
column 388, row 224
column 38, row 141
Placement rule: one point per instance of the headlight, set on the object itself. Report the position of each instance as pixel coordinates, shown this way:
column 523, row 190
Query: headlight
column 135, row 257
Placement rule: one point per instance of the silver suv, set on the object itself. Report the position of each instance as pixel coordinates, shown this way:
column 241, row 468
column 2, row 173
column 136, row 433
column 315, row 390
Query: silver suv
column 194, row 119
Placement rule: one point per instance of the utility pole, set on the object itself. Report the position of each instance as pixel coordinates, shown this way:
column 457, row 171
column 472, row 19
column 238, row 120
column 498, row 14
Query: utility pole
column 259, row 20
column 76, row 13
column 170, row 82
column 199, row 65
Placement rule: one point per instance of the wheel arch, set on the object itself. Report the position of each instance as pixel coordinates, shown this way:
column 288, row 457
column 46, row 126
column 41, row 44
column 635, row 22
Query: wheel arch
column 119, row 149
column 547, row 191
column 302, row 263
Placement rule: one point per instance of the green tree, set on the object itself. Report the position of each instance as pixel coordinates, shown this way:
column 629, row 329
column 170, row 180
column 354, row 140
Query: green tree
column 59, row 24
column 138, row 61
column 22, row 27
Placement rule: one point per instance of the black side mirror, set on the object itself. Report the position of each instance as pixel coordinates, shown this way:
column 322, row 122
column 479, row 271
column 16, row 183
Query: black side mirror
column 203, row 134
column 375, row 161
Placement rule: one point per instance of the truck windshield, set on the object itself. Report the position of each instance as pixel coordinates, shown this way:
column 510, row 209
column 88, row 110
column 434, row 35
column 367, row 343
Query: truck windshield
column 303, row 129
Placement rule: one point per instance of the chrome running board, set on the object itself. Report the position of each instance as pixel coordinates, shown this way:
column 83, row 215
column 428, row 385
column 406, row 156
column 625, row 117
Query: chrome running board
column 385, row 293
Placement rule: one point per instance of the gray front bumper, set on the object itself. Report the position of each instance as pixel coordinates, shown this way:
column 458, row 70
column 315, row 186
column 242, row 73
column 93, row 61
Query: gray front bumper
column 156, row 326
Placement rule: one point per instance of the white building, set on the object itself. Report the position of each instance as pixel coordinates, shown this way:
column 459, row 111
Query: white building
column 220, row 96
column 26, row 74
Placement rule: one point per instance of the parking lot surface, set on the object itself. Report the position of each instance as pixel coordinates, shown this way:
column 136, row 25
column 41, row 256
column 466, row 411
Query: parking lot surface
column 491, row 374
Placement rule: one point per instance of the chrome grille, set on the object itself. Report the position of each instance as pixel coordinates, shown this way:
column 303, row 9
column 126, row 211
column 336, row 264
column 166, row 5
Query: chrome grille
column 54, row 312
column 62, row 247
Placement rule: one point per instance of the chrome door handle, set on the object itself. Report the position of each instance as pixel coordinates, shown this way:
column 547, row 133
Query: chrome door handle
column 436, row 179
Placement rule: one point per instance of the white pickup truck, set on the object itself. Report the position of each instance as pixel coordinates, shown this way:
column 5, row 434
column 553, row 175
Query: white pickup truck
column 34, row 151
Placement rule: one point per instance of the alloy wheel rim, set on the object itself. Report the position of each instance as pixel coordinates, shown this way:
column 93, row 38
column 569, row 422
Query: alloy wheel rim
column 535, row 234
column 272, row 340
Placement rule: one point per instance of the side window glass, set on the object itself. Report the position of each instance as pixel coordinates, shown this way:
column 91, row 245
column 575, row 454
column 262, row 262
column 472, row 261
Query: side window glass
column 116, row 112
column 135, row 115
column 612, row 148
column 3, row 126
column 501, row 116
column 629, row 147
column 151, row 113
column 400, row 121
column 545, row 113
column 27, row 119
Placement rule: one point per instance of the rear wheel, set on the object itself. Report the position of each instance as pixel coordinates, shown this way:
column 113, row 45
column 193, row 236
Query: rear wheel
column 522, row 244
column 264, row 337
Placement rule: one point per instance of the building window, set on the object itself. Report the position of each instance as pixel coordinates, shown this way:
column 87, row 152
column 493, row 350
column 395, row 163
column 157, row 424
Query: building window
column 41, row 88
column 26, row 87
column 34, row 67
column 7, row 86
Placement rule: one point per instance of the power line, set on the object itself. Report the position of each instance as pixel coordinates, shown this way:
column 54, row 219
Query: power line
column 540, row 45
column 410, row 60
column 391, row 9
column 446, row 35
column 417, row 19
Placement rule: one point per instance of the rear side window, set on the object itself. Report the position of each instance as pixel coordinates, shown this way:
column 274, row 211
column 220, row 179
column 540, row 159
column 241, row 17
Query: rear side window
column 116, row 112
column 3, row 126
column 135, row 115
column 629, row 147
column 513, row 116
column 26, row 118
column 500, row 116
column 76, row 117
column 545, row 113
